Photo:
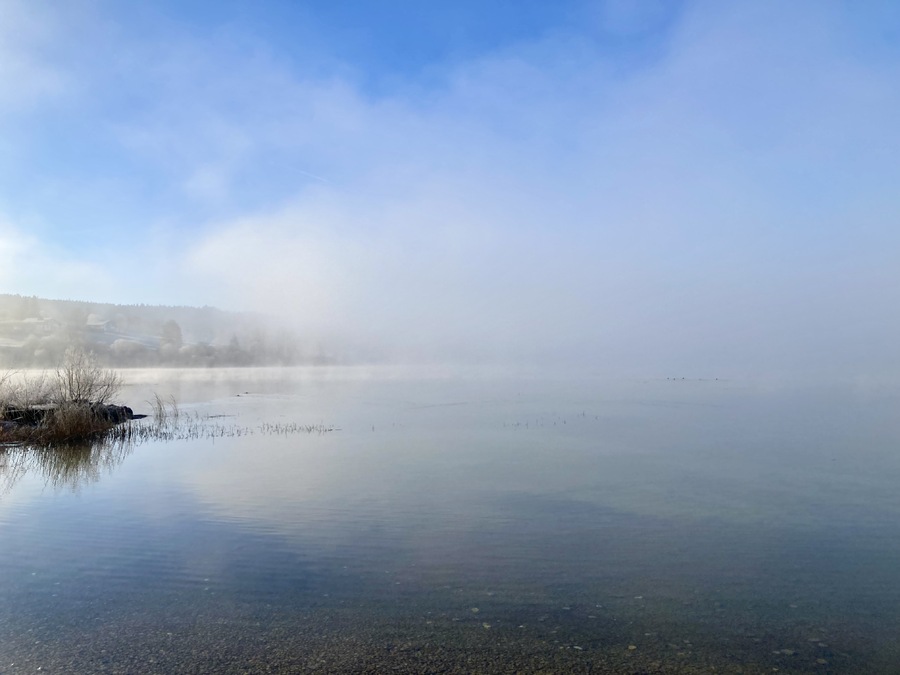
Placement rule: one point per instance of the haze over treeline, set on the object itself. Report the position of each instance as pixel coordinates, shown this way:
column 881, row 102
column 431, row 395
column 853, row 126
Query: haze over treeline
column 643, row 187
column 36, row 332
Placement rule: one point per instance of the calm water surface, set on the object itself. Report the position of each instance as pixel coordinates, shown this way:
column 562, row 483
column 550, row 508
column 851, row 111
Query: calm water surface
column 464, row 522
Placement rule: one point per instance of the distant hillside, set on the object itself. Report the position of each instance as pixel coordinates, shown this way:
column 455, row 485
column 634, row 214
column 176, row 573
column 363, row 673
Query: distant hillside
column 35, row 332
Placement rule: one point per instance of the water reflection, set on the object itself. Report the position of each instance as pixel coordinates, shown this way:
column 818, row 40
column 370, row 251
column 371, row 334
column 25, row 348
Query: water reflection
column 536, row 526
column 66, row 466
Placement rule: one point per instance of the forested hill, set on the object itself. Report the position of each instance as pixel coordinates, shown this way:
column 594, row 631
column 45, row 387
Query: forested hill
column 35, row 332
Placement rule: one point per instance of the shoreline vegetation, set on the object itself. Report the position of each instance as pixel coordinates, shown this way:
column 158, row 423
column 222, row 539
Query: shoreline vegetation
column 75, row 406
column 72, row 405
column 65, row 426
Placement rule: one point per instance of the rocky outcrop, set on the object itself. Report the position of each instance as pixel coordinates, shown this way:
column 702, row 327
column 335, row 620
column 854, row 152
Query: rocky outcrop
column 32, row 416
column 113, row 413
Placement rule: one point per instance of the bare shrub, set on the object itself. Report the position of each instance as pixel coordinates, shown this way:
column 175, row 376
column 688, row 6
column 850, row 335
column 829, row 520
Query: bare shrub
column 22, row 392
column 5, row 381
column 81, row 380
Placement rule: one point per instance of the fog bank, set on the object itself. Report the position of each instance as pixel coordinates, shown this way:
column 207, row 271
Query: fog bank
column 700, row 192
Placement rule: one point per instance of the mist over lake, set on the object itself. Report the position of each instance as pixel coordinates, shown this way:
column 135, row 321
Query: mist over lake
column 456, row 337
column 462, row 521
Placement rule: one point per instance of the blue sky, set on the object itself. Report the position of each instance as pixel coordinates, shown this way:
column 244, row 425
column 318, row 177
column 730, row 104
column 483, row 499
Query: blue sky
column 683, row 186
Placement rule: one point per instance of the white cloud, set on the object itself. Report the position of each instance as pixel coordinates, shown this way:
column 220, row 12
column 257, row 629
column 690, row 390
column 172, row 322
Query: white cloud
column 548, row 198
column 542, row 203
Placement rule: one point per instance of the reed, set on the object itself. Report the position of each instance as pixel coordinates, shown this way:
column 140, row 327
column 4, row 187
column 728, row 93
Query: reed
column 165, row 412
column 184, row 427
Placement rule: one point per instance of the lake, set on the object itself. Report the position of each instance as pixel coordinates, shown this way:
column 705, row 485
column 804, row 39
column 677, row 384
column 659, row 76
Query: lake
column 463, row 520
